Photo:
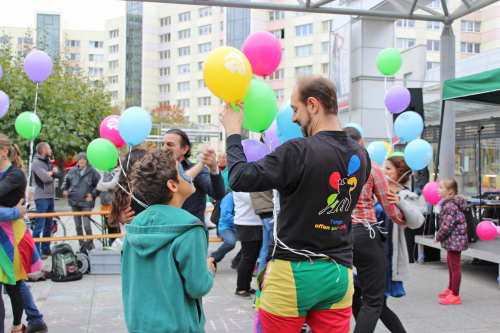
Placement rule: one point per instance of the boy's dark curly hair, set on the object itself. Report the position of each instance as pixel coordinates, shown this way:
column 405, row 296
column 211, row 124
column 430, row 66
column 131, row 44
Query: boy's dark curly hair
column 150, row 175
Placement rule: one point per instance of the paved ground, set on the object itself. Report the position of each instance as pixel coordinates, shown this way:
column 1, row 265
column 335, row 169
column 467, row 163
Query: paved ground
column 94, row 303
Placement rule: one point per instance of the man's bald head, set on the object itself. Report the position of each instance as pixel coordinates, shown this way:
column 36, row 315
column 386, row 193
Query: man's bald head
column 321, row 89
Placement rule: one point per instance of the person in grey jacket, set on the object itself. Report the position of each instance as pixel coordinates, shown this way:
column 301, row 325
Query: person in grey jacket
column 80, row 185
column 106, row 186
column 44, row 173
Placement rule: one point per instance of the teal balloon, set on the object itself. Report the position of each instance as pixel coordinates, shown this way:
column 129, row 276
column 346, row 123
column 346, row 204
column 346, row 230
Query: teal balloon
column 408, row 126
column 287, row 129
column 418, row 154
column 377, row 151
column 102, row 154
column 25, row 123
column 358, row 127
column 353, row 165
column 389, row 61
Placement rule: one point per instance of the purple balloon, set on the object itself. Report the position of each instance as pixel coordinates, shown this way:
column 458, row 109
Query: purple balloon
column 397, row 99
column 38, row 66
column 254, row 150
column 4, row 103
column 271, row 137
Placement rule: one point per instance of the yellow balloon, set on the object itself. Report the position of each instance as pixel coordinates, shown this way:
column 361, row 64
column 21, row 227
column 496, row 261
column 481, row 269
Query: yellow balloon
column 388, row 146
column 352, row 181
column 227, row 73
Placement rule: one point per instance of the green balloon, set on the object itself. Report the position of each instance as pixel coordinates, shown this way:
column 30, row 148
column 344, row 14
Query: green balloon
column 102, row 154
column 24, row 125
column 389, row 61
column 398, row 153
column 261, row 106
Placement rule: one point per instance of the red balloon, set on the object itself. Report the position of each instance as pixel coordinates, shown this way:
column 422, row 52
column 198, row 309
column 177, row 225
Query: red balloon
column 334, row 180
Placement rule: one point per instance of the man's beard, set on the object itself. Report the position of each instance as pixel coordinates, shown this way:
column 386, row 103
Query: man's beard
column 305, row 127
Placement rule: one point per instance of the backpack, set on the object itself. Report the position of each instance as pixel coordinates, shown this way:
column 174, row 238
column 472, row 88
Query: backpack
column 64, row 264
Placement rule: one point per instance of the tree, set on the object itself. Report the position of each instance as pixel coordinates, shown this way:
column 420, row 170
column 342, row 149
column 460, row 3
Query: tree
column 168, row 114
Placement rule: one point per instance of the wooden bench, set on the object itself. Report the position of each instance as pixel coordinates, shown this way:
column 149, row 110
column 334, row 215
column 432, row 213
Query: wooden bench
column 66, row 238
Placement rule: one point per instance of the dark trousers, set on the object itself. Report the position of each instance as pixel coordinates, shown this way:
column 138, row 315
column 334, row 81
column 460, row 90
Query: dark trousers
column 371, row 267
column 43, row 223
column 249, row 254
column 78, row 221
column 455, row 271
column 17, row 301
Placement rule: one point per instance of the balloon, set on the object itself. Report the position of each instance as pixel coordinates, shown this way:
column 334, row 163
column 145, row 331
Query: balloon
column 388, row 147
column 102, row 154
column 135, row 125
column 334, row 180
column 397, row 153
column 260, row 106
column 24, row 125
column 389, row 61
column 227, row 73
column 254, row 150
column 263, row 50
column 287, row 129
column 418, row 154
column 397, row 99
column 486, row 230
column 271, row 137
column 430, row 193
column 109, row 130
column 38, row 66
column 408, row 126
column 358, row 127
column 4, row 104
column 377, row 151
column 353, row 165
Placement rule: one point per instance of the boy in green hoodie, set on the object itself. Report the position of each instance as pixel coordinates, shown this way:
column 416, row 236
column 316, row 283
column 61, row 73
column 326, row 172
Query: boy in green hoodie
column 165, row 271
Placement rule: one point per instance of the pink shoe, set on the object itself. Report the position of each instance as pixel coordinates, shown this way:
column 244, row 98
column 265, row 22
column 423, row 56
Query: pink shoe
column 445, row 293
column 451, row 300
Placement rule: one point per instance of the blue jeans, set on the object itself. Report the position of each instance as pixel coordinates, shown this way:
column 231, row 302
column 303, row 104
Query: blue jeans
column 43, row 223
column 32, row 314
column 266, row 238
column 229, row 238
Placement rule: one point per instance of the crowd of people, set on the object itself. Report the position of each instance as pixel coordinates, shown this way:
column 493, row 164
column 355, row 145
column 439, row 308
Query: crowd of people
column 312, row 264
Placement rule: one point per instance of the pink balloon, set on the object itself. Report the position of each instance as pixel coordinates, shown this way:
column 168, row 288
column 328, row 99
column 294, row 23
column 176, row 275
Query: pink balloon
column 109, row 130
column 430, row 193
column 486, row 230
column 263, row 50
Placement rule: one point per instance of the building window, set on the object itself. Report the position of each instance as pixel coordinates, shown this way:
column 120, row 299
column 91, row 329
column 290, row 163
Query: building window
column 95, row 70
column 184, row 51
column 325, row 68
column 113, row 79
column 184, row 17
column 405, row 23
column 207, row 11
column 470, row 48
column 73, row 56
column 280, row 94
column 201, row 84
column 431, row 64
column 183, row 86
column 113, row 49
column 183, row 103
column 276, row 15
column 73, row 43
column 165, row 38
column 280, row 34
column 205, row 47
column 114, row 95
column 325, row 26
column 221, row 43
column 404, row 43
column 5, row 40
column 165, row 71
column 325, row 47
column 113, row 34
column 204, row 101
column 222, row 26
column 22, row 54
column 184, row 69
column 164, row 88
column 435, row 4
column 113, row 64
column 165, row 103
column 305, row 50
column 24, row 41
column 221, row 101
column 303, row 70
column 302, row 13
column 165, row 21
column 206, row 29
column 200, row 66
column 303, row 30
column 282, row 54
column 96, row 45
column 435, row 25
column 96, row 57
column 183, row 34
column 469, row 26
column 433, row 45
column 165, row 55
column 279, row 74
column 204, row 119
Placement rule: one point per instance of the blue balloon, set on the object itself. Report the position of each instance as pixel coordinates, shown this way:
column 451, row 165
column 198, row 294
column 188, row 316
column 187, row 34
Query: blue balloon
column 353, row 165
column 418, row 154
column 377, row 151
column 287, row 130
column 135, row 125
column 408, row 126
column 358, row 127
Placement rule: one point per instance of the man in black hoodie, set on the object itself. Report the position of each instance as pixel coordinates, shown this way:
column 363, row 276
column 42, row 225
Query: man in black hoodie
column 44, row 174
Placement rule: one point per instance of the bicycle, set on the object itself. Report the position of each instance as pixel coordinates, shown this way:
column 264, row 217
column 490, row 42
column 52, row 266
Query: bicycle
column 58, row 228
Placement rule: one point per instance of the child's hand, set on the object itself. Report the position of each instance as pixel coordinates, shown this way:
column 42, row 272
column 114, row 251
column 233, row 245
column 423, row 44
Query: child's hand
column 210, row 264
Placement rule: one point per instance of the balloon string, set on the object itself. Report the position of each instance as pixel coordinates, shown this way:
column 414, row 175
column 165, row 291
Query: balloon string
column 125, row 174
column 387, row 121
column 30, row 159
column 265, row 141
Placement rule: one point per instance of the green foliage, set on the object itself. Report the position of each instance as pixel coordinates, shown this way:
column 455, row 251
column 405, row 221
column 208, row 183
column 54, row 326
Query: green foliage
column 70, row 109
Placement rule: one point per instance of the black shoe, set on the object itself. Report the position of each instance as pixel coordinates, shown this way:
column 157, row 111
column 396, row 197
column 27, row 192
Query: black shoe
column 234, row 264
column 37, row 328
column 44, row 256
column 251, row 291
column 243, row 294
